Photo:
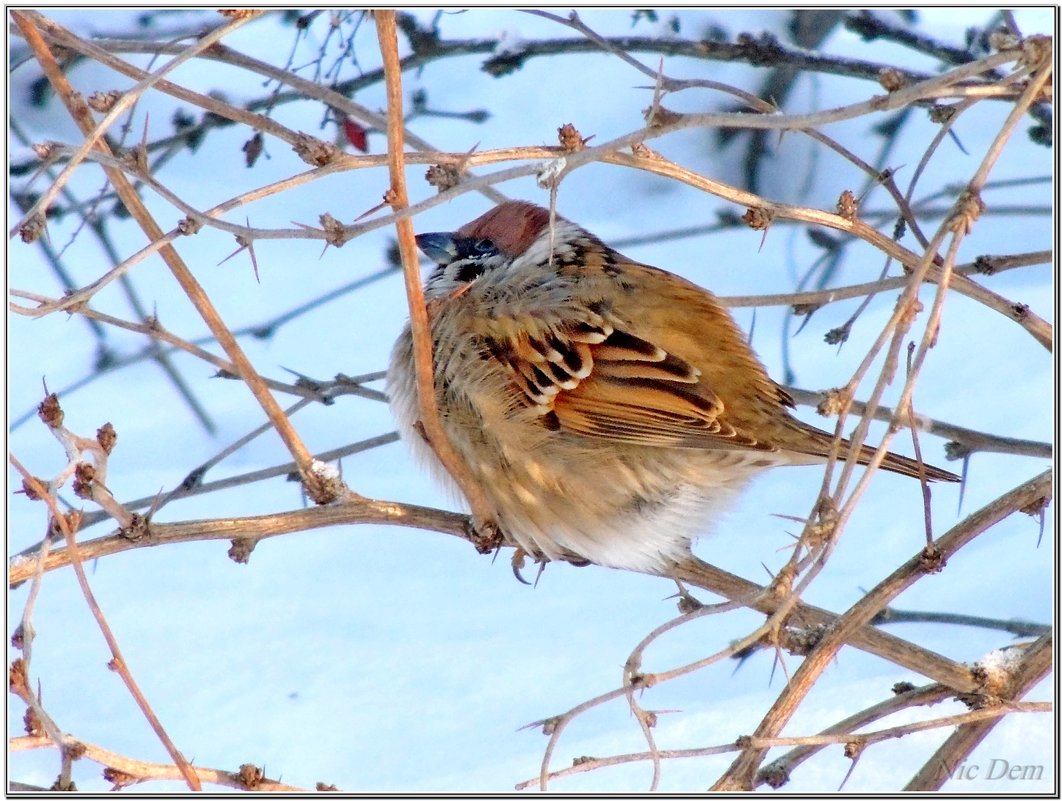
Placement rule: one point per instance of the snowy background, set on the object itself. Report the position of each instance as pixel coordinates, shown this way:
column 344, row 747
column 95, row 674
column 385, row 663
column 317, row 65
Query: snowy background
column 384, row 659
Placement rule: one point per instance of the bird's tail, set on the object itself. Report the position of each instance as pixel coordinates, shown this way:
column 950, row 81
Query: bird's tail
column 895, row 463
column 818, row 443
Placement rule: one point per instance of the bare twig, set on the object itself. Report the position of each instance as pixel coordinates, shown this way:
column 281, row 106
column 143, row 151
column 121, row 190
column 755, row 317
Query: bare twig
column 317, row 488
column 117, row 662
column 122, row 771
column 20, row 568
column 741, row 771
column 482, row 512
column 1035, row 665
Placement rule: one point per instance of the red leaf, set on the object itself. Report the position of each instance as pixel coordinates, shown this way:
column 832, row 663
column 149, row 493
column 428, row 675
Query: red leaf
column 356, row 134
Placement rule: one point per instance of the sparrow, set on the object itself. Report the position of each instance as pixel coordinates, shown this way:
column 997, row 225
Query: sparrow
column 610, row 410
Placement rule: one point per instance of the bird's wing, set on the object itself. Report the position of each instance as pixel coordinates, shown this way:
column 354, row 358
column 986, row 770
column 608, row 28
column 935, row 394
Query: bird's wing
column 599, row 381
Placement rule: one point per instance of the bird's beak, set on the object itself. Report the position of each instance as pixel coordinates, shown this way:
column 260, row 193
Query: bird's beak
column 439, row 247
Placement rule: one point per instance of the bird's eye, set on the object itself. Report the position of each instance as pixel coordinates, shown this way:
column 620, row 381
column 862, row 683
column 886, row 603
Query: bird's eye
column 474, row 257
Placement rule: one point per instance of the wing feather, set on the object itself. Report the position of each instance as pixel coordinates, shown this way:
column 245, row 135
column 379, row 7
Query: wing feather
column 603, row 382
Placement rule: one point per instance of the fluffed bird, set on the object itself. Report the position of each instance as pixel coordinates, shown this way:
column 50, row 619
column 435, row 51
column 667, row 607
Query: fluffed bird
column 608, row 409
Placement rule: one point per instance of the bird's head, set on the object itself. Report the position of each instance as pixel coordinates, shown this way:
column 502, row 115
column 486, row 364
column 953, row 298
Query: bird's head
column 507, row 233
